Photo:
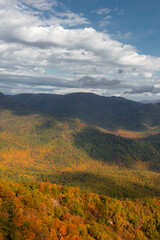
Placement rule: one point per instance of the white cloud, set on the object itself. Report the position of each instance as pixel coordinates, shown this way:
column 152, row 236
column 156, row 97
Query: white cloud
column 48, row 50
column 40, row 4
column 104, row 11
column 122, row 35
column 71, row 19
column 105, row 21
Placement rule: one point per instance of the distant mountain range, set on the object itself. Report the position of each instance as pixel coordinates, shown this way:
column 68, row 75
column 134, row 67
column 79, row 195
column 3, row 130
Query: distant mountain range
column 9, row 103
column 150, row 101
column 111, row 113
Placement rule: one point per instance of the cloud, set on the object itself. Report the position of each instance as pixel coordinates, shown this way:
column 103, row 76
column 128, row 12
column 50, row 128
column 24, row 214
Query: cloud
column 71, row 19
column 105, row 21
column 120, row 71
column 106, row 10
column 122, row 35
column 29, row 83
column 91, row 82
column 52, row 48
column 36, row 80
column 143, row 89
column 39, row 4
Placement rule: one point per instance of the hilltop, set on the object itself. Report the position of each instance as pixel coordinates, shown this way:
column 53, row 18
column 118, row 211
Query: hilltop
column 111, row 113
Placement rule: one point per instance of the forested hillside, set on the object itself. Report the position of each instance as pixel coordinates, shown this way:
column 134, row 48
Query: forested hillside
column 51, row 212
column 40, row 150
column 42, row 147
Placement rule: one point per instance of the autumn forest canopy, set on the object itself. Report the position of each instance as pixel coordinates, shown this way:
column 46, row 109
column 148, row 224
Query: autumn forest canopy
column 79, row 166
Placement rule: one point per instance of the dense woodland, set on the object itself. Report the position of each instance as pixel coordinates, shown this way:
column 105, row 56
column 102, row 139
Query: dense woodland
column 40, row 147
column 115, row 181
column 48, row 211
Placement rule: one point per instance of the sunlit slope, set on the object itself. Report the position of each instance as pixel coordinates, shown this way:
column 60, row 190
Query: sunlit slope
column 66, row 142
column 42, row 147
column 48, row 211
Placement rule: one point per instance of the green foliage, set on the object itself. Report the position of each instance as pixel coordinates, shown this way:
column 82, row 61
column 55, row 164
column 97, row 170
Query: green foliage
column 39, row 147
column 45, row 215
column 117, row 150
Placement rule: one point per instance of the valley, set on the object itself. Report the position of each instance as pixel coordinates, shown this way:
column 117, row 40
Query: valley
column 42, row 146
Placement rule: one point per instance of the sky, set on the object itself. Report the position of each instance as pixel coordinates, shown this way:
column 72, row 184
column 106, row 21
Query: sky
column 107, row 47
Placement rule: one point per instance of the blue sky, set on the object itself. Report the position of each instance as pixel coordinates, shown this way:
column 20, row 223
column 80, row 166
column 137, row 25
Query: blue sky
column 108, row 47
column 138, row 21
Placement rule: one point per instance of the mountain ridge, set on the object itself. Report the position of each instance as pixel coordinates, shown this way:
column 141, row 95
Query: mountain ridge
column 110, row 113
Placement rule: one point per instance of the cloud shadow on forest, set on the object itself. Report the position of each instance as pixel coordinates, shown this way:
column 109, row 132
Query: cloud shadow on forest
column 117, row 150
column 108, row 185
column 8, row 103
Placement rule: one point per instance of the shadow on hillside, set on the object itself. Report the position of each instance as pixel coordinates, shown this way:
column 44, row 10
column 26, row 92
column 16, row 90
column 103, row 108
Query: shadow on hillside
column 17, row 110
column 117, row 150
column 155, row 138
column 46, row 124
column 10, row 104
column 107, row 185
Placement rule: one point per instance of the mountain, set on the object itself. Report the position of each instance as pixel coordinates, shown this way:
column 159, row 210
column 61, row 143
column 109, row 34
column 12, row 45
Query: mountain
column 42, row 147
column 43, row 153
column 11, row 104
column 111, row 113
column 150, row 101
